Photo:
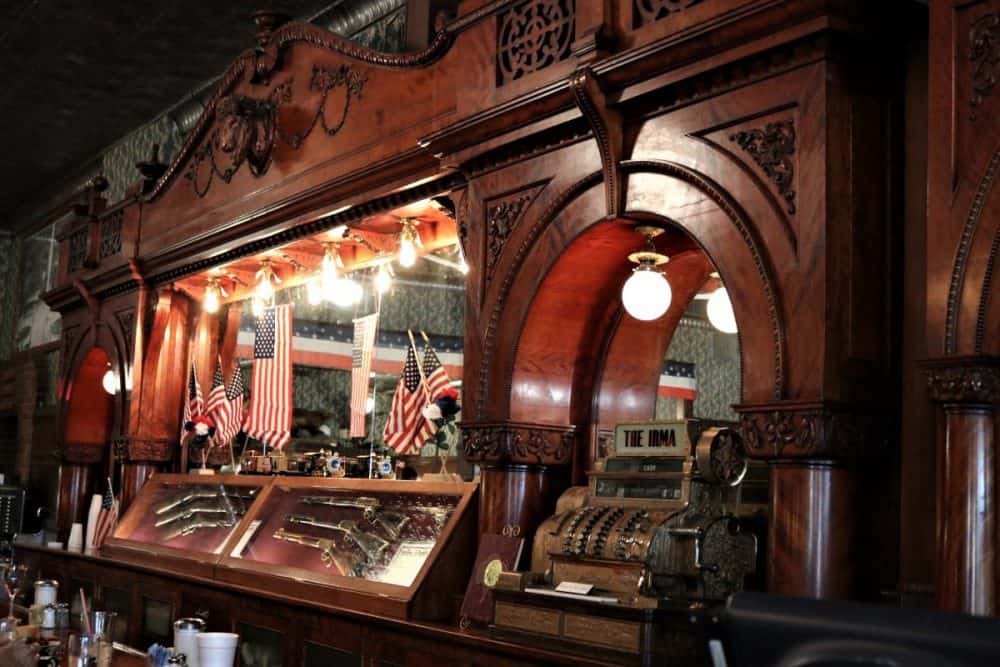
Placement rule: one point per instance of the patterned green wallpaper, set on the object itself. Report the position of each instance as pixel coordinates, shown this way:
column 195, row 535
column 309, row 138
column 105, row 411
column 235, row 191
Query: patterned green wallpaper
column 716, row 357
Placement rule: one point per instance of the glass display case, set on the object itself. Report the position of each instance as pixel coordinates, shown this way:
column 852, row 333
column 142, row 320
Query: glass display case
column 398, row 548
column 395, row 548
column 184, row 521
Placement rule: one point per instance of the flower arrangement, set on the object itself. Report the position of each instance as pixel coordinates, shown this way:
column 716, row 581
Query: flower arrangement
column 443, row 412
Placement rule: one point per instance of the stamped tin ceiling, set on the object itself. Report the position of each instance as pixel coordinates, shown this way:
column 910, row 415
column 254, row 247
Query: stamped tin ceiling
column 76, row 76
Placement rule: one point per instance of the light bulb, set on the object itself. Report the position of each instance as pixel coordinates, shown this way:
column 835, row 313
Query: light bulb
column 328, row 270
column 256, row 307
column 720, row 311
column 369, row 405
column 407, row 252
column 211, row 303
column 265, row 289
column 646, row 294
column 109, row 382
column 314, row 291
column 383, row 281
column 348, row 293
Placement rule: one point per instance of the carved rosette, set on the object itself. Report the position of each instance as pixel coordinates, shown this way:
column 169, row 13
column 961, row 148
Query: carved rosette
column 533, row 35
column 972, row 381
column 792, row 429
column 647, row 11
column 511, row 442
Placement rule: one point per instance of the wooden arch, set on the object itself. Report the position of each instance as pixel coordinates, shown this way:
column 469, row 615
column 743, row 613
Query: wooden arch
column 529, row 311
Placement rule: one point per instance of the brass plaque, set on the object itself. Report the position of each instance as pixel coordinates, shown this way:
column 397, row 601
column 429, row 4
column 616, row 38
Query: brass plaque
column 620, row 635
column 528, row 619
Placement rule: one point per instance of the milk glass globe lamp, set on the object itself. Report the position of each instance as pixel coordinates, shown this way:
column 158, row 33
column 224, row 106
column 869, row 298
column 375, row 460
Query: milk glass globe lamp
column 646, row 294
column 720, row 311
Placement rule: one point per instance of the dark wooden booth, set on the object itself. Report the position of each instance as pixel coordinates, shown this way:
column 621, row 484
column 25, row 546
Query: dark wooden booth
column 776, row 142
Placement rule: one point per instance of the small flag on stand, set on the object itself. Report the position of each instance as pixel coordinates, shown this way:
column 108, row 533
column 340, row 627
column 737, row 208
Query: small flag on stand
column 216, row 395
column 107, row 518
column 230, row 416
column 405, row 421
column 361, row 366
column 437, row 381
column 194, row 404
column 270, row 416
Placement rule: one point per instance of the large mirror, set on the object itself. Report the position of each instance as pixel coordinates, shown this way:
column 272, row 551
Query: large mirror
column 358, row 297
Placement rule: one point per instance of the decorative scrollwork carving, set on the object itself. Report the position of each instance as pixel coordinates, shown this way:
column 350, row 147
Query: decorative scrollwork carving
column 966, row 383
column 500, row 220
column 533, row 35
column 111, row 234
column 984, row 52
column 647, row 11
column 772, row 148
column 811, row 430
column 247, row 128
column 126, row 320
column 324, row 80
column 518, row 443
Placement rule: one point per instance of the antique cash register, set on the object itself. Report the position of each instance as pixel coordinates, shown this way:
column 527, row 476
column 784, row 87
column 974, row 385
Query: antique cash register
column 662, row 527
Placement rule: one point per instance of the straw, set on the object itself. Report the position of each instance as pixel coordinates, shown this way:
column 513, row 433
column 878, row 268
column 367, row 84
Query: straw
column 85, row 613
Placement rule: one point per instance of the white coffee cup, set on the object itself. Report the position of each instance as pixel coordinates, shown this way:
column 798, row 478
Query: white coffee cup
column 75, row 541
column 217, row 649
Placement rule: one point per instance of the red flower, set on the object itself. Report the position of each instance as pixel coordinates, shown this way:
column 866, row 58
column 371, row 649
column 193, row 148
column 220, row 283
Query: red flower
column 448, row 393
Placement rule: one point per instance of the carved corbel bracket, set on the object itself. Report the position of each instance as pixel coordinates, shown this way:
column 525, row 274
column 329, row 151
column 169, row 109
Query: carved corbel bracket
column 607, row 125
column 521, row 443
column 970, row 380
column 811, row 430
column 93, row 305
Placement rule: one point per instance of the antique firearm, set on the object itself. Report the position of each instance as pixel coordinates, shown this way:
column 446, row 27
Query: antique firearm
column 373, row 546
column 348, row 566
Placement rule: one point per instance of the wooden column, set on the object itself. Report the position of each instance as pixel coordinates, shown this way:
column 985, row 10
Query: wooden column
column 77, row 477
column 814, row 449
column 525, row 468
column 967, row 389
column 812, row 529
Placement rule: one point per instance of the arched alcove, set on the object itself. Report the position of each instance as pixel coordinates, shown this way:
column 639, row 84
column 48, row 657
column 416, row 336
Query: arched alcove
column 90, row 409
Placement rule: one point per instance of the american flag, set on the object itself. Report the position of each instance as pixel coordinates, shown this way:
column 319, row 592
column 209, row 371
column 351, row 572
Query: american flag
column 107, row 518
column 361, row 366
column 270, row 416
column 404, row 423
column 194, row 404
column 216, row 395
column 231, row 414
column 437, row 381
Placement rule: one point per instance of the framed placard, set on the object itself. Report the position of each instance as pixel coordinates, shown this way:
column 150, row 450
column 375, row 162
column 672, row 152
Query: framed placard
column 653, row 438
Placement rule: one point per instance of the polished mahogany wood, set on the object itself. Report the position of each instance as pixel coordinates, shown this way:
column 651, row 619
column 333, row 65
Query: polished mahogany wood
column 967, row 575
column 133, row 478
column 518, row 496
column 812, row 530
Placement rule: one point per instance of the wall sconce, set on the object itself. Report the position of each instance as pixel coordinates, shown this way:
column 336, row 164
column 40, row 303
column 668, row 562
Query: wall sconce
column 720, row 310
column 646, row 294
column 408, row 242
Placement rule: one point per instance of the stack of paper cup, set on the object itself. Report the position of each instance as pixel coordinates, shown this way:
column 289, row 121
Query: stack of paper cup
column 186, row 631
column 75, row 542
column 95, row 511
column 217, row 649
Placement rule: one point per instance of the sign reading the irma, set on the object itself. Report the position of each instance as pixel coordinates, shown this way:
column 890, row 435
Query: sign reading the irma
column 664, row 438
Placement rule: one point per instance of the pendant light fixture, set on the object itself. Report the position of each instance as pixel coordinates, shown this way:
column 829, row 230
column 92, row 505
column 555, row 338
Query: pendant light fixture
column 383, row 278
column 720, row 310
column 109, row 382
column 408, row 242
column 328, row 273
column 646, row 294
column 264, row 293
column 213, row 292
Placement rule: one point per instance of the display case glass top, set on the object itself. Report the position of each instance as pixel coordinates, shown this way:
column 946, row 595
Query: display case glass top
column 373, row 534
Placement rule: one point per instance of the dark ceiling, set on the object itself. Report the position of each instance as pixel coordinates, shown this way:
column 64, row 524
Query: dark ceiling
column 77, row 75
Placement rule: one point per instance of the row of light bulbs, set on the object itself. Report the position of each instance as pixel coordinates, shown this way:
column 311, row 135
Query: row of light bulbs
column 646, row 294
column 329, row 284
